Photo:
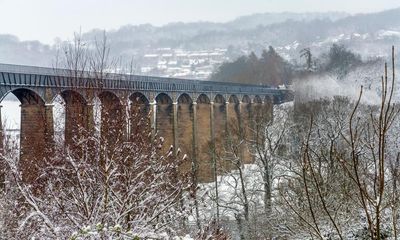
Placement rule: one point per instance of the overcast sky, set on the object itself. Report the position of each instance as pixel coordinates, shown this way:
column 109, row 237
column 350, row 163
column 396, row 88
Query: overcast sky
column 45, row 20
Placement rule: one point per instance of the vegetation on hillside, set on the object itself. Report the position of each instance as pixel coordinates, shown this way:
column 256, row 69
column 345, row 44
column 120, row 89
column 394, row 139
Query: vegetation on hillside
column 270, row 69
column 273, row 70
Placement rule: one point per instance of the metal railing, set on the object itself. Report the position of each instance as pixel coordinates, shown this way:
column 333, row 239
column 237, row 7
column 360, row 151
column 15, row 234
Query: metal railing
column 152, row 83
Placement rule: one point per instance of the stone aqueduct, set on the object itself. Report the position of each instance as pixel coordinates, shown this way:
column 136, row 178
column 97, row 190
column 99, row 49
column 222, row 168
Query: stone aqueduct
column 189, row 114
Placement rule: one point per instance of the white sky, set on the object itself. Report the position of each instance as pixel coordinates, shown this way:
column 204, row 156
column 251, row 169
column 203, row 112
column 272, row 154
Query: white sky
column 45, row 20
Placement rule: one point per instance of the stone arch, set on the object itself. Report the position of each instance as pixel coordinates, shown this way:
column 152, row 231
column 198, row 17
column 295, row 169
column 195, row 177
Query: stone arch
column 107, row 97
column 257, row 99
column 234, row 99
column 36, row 134
column 203, row 99
column 220, row 126
column 246, row 114
column 184, row 131
column 246, row 99
column 164, row 99
column 112, row 118
column 139, row 117
column 12, row 110
column 165, row 120
column 27, row 96
column 204, row 135
column 139, row 98
column 70, row 96
column 76, row 117
column 233, row 118
column 184, row 98
column 219, row 99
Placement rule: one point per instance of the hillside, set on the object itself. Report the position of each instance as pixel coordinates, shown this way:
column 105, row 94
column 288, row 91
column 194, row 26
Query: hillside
column 368, row 34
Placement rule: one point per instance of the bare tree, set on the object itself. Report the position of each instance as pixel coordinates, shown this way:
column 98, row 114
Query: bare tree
column 346, row 170
column 129, row 190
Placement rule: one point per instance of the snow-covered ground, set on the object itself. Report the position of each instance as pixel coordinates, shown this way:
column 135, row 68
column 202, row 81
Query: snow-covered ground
column 229, row 195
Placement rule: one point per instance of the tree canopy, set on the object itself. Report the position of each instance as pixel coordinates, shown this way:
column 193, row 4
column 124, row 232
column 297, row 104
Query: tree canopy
column 341, row 60
column 269, row 69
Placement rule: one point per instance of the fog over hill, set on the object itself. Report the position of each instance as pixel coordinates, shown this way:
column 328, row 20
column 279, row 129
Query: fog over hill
column 255, row 20
column 368, row 34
